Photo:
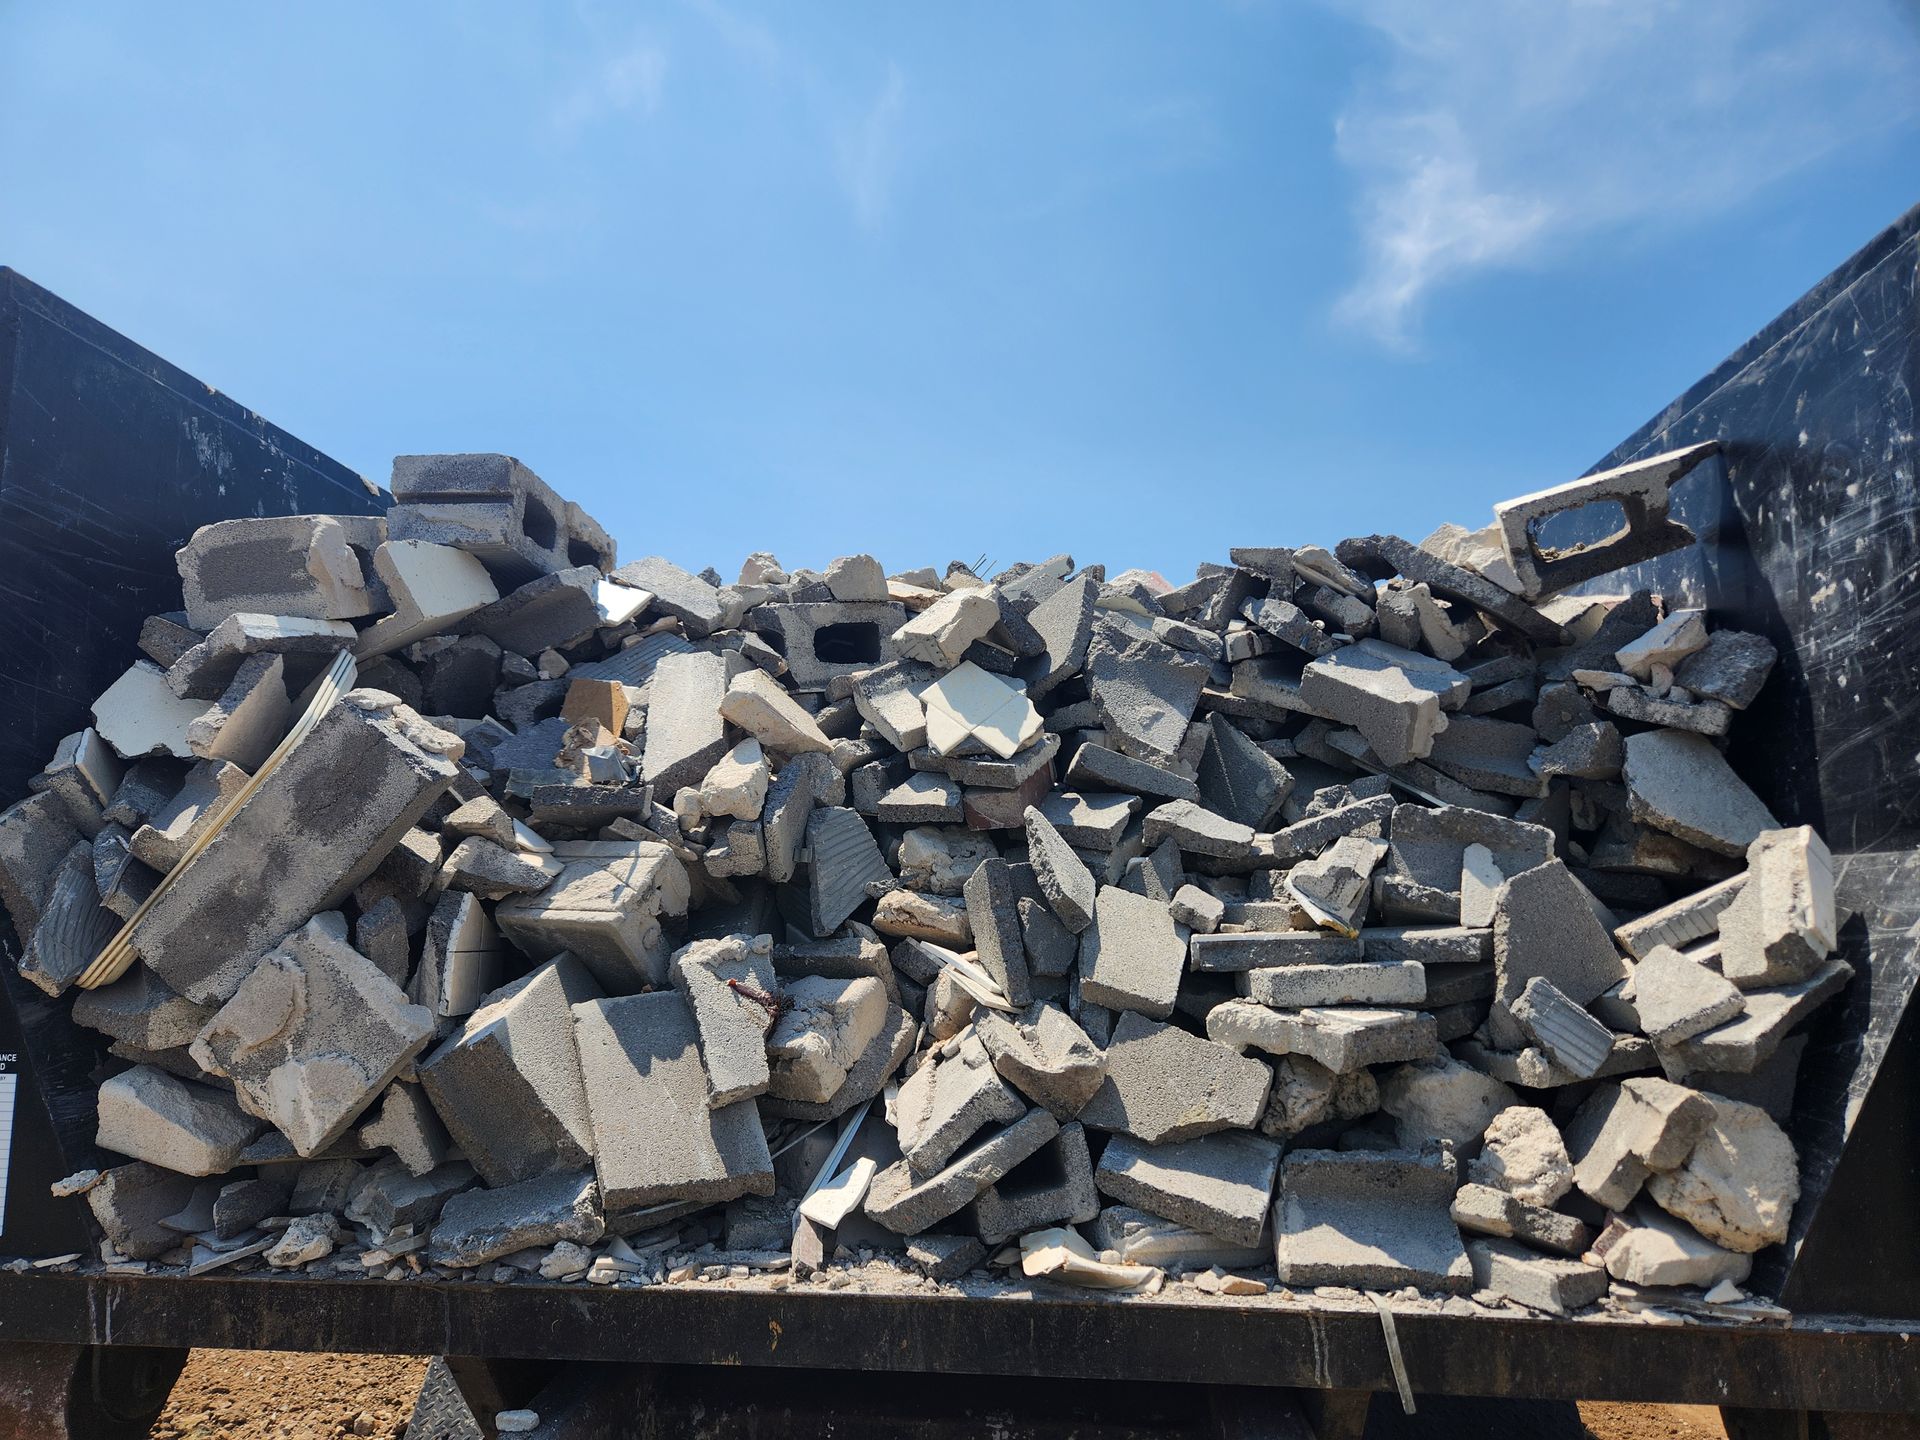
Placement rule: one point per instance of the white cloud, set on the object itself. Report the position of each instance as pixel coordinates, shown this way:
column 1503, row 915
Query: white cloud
column 868, row 152
column 632, row 78
column 1497, row 133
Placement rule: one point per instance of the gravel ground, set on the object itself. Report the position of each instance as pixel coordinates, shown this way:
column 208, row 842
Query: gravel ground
column 265, row 1395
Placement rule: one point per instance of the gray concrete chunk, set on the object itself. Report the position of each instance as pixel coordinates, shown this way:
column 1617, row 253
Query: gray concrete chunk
column 686, row 734
column 716, row 977
column 1558, row 1287
column 998, row 942
column 1164, row 1084
column 1675, row 997
column 147, row 1114
column 906, row 1206
column 1782, row 925
column 313, row 1035
column 1393, row 697
column 1374, row 1220
column 1053, row 1186
column 655, row 1139
column 1358, row 982
column 1240, row 780
column 1575, row 1041
column 943, row 1104
column 845, row 861
column 605, row 908
column 1132, row 955
column 1196, row 830
column 317, row 838
column 482, row 1225
column 1625, row 1132
column 507, row 1084
column 1342, row 1038
column 1066, row 883
column 1045, row 1055
column 1487, row 1211
column 1219, row 1184
column 1250, row 950
column 1145, row 691
column 688, row 598
column 1681, row 784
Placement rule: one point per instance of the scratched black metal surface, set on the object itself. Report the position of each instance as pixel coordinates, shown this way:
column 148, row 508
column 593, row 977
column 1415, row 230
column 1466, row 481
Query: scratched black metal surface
column 109, row 459
column 1809, row 523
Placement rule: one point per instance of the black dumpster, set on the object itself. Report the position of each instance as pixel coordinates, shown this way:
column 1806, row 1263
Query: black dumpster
column 1809, row 519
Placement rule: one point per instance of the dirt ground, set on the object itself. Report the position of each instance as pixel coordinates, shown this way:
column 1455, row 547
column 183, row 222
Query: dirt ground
column 263, row 1395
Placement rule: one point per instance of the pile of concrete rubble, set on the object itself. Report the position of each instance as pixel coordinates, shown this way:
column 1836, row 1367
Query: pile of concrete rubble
column 1376, row 918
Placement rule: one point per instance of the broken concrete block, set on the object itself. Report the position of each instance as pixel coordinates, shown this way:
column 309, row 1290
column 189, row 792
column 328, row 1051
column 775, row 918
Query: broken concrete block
column 483, row 868
column 140, row 1010
column 1360, row 982
column 1252, row 950
column 1441, row 1099
column 735, row 785
column 1640, row 489
column 1164, row 1084
column 1196, row 830
column 508, row 1085
column 1089, row 822
column 86, row 775
column 920, row 799
column 1744, row 1043
column 724, row 982
column 1197, row 910
column 1045, row 1055
column 312, row 1036
column 826, row 1029
column 1558, row 1287
column 462, row 958
column 317, row 838
column 1731, row 668
column 844, row 862
column 994, row 918
column 1781, row 926
column 1647, row 1247
column 1064, row 880
column 1576, row 1041
column 209, row 788
column 313, row 566
column 1627, row 1131
column 1333, row 888
column 407, row 1124
column 478, row 1226
column 1343, row 1039
column 1145, row 691
column 206, row 671
column 1305, row 1093
column 1393, row 697
column 686, row 734
column 1096, row 769
column 1675, row 998
column 390, row 1197
column 1376, row 1220
column 140, row 715
column 1738, row 1184
column 940, row 634
column 1238, row 779
column 828, row 640
column 432, row 588
column 71, row 928
column 1382, row 556
column 971, row 704
column 945, row 1257
column 756, row 703
column 1132, row 956
column 907, row 1206
column 497, row 510
column 1524, row 1155
column 249, row 719
column 1669, row 642
column 131, row 1201
column 690, row 599
column 1486, row 1211
column 1681, row 784
column 943, row 1104
column 605, row 908
column 655, row 1139
column 1545, row 925
column 1218, row 1184
column 147, row 1114
column 1053, row 1186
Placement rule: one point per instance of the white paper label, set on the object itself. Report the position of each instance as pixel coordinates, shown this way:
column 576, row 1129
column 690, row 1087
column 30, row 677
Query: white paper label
column 7, row 1083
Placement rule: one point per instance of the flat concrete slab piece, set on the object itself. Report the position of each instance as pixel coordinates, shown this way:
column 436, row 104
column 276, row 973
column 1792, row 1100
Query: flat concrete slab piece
column 1358, row 982
column 604, row 908
column 1221, row 1184
column 1165, row 1084
column 655, row 1139
column 1682, row 784
column 907, row 1206
column 1132, row 956
column 1374, row 1220
column 1342, row 1038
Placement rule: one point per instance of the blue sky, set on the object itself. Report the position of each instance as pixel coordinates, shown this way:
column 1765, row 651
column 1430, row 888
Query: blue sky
column 1136, row 282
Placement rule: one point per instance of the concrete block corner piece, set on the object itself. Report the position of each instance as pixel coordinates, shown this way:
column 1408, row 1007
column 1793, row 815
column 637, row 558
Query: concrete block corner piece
column 1641, row 491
